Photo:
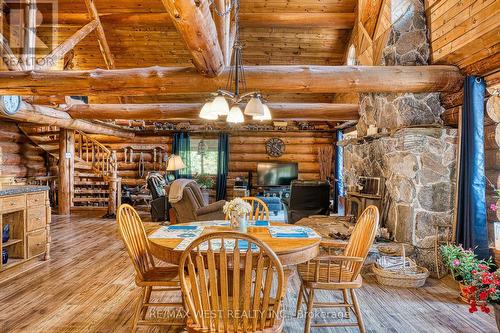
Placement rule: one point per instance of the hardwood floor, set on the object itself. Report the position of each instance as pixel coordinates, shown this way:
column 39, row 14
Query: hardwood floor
column 88, row 286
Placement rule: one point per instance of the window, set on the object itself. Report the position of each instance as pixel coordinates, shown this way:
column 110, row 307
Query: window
column 204, row 156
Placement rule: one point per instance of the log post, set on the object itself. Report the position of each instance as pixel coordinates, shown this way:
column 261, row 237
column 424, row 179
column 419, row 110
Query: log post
column 114, row 188
column 30, row 35
column 196, row 26
column 66, row 171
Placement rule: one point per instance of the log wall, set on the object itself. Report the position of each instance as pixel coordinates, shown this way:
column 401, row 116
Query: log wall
column 246, row 150
column 465, row 33
column 18, row 156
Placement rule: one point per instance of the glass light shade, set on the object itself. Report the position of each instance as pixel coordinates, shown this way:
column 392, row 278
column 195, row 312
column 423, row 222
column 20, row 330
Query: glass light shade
column 206, row 112
column 235, row 115
column 175, row 163
column 266, row 116
column 220, row 106
column 254, row 107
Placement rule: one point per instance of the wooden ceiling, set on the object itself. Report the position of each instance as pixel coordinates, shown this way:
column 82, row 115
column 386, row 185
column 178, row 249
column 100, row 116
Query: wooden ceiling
column 141, row 34
column 138, row 43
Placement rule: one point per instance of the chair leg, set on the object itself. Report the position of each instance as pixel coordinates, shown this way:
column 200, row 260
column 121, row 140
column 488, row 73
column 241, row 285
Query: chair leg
column 346, row 301
column 358, row 311
column 138, row 310
column 299, row 299
column 147, row 298
column 309, row 313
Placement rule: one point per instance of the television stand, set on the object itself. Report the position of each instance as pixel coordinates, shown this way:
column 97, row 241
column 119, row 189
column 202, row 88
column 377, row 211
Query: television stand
column 281, row 192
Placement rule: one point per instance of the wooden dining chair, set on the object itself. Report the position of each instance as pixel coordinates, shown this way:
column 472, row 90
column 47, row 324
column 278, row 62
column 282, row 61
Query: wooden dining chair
column 147, row 274
column 339, row 272
column 235, row 288
column 260, row 211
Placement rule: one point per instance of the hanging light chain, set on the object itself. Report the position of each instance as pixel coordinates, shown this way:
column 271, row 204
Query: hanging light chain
column 226, row 12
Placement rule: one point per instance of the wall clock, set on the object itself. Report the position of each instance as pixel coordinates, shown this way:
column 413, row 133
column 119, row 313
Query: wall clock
column 10, row 104
column 275, row 147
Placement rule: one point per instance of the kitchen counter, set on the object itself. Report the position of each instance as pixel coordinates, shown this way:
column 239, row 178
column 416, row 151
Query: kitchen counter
column 20, row 189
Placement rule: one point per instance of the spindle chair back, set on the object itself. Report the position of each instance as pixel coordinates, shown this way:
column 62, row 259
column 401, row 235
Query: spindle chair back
column 238, row 287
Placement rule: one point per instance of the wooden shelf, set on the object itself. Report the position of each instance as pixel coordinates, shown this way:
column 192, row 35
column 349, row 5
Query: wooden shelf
column 13, row 262
column 11, row 242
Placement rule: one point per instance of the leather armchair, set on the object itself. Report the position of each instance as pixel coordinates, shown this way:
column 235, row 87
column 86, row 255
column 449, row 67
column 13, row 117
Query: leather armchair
column 192, row 207
column 307, row 198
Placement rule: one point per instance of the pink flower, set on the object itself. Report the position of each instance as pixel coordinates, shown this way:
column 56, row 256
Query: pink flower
column 482, row 267
column 493, row 207
column 456, row 262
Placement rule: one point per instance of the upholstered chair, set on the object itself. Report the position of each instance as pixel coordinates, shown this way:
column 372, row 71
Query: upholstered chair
column 192, row 207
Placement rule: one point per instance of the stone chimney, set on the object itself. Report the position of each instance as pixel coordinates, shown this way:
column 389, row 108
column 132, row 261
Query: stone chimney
column 416, row 156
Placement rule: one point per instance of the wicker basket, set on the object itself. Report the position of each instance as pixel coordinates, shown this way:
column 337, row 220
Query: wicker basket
column 412, row 277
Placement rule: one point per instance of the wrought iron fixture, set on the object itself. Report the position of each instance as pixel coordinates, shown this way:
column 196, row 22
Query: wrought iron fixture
column 226, row 102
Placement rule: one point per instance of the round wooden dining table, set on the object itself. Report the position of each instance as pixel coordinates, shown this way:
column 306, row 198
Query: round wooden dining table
column 290, row 251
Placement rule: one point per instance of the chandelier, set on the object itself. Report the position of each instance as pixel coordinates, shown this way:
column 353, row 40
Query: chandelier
column 226, row 102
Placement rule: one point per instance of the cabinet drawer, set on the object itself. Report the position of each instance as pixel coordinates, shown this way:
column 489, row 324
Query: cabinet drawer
column 36, row 218
column 13, row 203
column 36, row 243
column 35, row 199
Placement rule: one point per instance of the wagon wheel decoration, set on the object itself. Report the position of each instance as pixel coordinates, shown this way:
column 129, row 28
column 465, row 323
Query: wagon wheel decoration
column 275, row 147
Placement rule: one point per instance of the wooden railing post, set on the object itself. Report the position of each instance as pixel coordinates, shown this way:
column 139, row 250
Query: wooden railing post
column 66, row 171
column 114, row 186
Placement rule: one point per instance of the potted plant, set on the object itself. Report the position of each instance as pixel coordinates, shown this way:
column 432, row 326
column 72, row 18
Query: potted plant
column 484, row 289
column 238, row 211
column 461, row 264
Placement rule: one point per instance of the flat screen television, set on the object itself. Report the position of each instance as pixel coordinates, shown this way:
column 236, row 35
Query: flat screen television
column 276, row 174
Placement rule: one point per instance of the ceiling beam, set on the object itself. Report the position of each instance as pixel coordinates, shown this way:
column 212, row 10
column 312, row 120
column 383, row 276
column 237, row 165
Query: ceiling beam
column 189, row 111
column 57, row 53
column 223, row 25
column 194, row 23
column 247, row 20
column 9, row 58
column 267, row 79
column 101, row 37
column 29, row 56
column 43, row 115
column 297, row 20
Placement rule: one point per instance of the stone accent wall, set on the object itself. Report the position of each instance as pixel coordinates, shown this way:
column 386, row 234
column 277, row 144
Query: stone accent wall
column 407, row 45
column 418, row 165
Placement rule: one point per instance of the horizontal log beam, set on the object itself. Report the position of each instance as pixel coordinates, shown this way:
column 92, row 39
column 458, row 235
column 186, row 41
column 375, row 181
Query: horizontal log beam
column 247, row 20
column 47, row 116
column 186, row 111
column 267, row 79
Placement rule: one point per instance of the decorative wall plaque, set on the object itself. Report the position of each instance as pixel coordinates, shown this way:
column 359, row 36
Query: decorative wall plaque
column 275, row 147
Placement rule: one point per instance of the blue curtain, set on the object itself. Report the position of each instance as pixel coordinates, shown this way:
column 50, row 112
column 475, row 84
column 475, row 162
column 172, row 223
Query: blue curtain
column 181, row 146
column 471, row 223
column 339, row 166
column 222, row 166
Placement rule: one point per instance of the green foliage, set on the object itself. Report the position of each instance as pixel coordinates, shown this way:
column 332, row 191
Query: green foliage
column 205, row 181
column 461, row 262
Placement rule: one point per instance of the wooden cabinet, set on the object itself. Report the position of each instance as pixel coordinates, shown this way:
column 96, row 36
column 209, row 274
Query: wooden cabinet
column 27, row 212
column 36, row 242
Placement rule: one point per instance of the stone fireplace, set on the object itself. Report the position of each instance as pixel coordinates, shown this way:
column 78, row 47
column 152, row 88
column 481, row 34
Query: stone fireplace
column 412, row 151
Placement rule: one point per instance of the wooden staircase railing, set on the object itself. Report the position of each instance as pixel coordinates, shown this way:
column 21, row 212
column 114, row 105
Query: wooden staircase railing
column 92, row 151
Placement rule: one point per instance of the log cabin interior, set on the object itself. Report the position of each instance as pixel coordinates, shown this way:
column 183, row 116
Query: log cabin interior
column 250, row 166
